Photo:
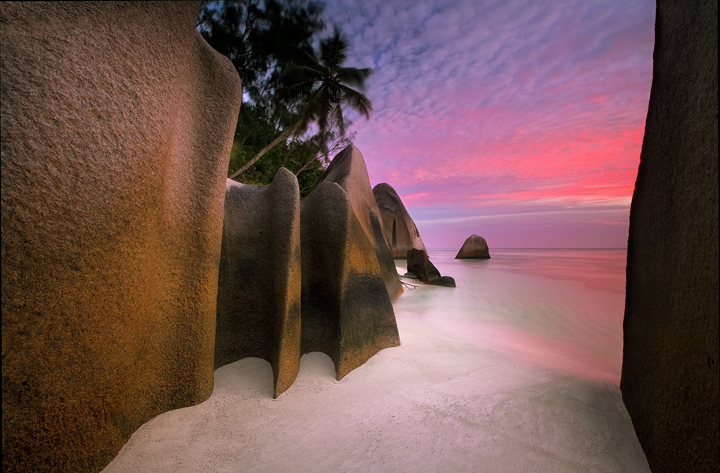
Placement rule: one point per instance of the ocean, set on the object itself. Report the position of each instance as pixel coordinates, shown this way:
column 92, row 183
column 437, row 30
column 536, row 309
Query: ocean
column 557, row 308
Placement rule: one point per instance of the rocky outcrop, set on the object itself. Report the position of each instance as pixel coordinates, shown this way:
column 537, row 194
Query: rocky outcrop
column 419, row 266
column 670, row 356
column 399, row 230
column 258, row 299
column 117, row 122
column 348, row 170
column 275, row 304
column 475, row 247
column 346, row 310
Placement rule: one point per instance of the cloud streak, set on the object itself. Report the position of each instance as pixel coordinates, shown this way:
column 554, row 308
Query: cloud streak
column 486, row 105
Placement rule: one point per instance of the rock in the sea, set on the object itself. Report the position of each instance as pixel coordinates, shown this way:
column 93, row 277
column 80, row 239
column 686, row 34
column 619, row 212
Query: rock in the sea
column 258, row 302
column 399, row 230
column 670, row 377
column 475, row 247
column 348, row 170
column 117, row 123
column 445, row 281
column 419, row 264
column 346, row 310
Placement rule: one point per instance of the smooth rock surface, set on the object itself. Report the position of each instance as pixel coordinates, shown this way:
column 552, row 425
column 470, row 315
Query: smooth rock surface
column 258, row 303
column 348, row 170
column 346, row 310
column 398, row 227
column 670, row 359
column 475, row 247
column 117, row 122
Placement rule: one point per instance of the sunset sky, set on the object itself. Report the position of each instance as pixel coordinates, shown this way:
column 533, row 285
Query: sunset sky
column 517, row 120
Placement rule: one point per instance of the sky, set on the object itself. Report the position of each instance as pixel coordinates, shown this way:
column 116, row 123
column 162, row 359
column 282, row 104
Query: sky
column 516, row 120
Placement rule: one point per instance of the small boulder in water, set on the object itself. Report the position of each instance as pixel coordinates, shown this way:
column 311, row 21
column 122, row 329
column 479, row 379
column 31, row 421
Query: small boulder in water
column 445, row 281
column 475, row 247
column 420, row 267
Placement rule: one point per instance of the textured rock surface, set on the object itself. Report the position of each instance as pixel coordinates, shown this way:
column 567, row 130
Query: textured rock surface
column 399, row 230
column 419, row 264
column 475, row 247
column 346, row 310
column 349, row 171
column 258, row 303
column 670, row 360
column 117, row 122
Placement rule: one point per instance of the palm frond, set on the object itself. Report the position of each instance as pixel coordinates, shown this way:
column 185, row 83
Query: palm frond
column 356, row 101
column 333, row 50
column 354, row 77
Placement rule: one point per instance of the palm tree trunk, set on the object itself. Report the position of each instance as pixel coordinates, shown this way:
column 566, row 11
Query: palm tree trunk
column 283, row 136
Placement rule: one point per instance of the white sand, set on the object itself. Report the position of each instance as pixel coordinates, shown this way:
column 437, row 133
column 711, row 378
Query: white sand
column 441, row 402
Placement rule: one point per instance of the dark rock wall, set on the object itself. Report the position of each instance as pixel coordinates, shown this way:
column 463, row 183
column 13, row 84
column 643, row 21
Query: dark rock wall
column 670, row 362
column 117, row 122
column 398, row 227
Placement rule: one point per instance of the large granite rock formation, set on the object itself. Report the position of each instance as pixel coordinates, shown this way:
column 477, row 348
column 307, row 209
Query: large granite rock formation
column 670, row 360
column 475, row 247
column 346, row 310
column 399, row 230
column 117, row 122
column 349, row 171
column 258, row 301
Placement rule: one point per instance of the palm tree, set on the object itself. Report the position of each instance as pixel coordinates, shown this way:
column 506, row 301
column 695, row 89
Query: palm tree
column 320, row 87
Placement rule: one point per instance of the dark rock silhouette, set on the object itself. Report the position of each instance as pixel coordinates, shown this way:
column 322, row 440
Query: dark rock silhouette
column 475, row 247
column 117, row 123
column 670, row 356
column 399, row 230
column 419, row 265
column 349, row 171
column 258, row 298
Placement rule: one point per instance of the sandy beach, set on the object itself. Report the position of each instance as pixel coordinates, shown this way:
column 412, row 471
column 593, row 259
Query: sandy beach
column 451, row 399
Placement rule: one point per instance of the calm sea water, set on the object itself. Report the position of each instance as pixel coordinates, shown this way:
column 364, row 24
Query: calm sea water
column 558, row 309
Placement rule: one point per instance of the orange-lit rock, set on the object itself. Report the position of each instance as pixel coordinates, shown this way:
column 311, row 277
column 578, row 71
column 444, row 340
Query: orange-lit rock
column 117, row 122
column 349, row 171
column 346, row 310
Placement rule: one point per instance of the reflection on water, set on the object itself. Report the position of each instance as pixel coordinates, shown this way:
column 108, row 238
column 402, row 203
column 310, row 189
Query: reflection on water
column 560, row 309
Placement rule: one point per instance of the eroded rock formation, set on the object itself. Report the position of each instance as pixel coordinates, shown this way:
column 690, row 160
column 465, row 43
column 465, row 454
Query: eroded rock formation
column 670, row 373
column 348, row 170
column 258, row 304
column 399, row 230
column 346, row 310
column 117, row 122
column 274, row 250
column 475, row 247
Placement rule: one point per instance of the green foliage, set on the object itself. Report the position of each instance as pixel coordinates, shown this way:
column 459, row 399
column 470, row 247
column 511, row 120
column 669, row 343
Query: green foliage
column 254, row 131
column 290, row 85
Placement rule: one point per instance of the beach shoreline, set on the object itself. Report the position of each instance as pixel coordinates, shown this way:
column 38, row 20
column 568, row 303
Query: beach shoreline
column 439, row 402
